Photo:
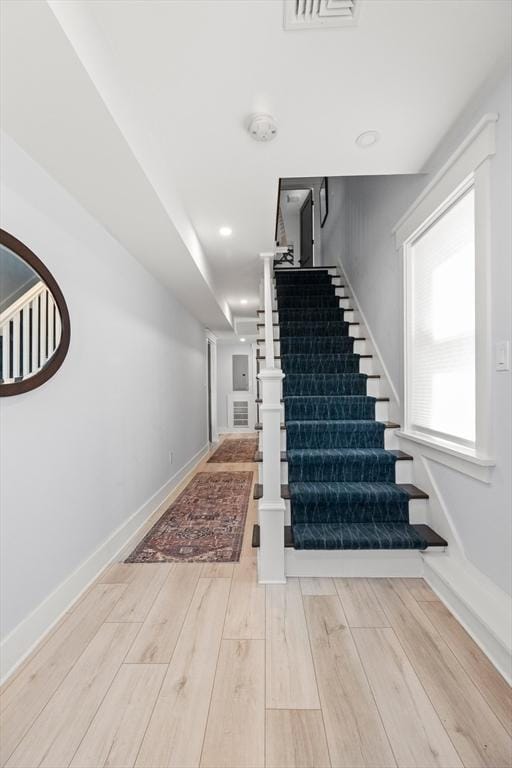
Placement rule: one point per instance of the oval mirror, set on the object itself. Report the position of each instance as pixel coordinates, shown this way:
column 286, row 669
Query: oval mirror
column 34, row 319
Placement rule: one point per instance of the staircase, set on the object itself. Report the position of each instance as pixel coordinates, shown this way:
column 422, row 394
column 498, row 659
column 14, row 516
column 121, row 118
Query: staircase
column 346, row 487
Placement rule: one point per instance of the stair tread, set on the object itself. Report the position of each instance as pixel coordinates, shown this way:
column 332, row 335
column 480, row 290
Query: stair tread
column 258, row 456
column 387, row 424
column 258, row 491
column 355, row 338
column 336, row 397
column 357, row 536
column 336, row 489
column 430, row 536
column 348, row 452
column 399, row 455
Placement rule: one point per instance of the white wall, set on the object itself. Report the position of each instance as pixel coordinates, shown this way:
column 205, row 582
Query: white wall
column 373, row 204
column 81, row 454
column 333, row 232
column 478, row 513
column 225, row 352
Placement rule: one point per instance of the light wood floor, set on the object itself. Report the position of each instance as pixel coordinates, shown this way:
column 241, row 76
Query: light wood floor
column 197, row 665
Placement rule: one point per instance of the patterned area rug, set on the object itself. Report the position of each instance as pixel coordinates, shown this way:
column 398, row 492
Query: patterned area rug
column 204, row 524
column 235, row 450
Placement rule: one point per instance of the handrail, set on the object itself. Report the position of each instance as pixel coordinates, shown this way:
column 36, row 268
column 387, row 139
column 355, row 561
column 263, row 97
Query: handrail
column 271, row 507
column 24, row 299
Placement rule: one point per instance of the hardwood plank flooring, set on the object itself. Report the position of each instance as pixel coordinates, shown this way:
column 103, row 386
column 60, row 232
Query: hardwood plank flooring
column 291, row 682
column 56, row 734
column 317, row 586
column 41, row 676
column 140, row 593
column 487, row 679
column 157, row 638
column 420, row 590
column 246, row 607
column 355, row 734
column 175, row 733
column 189, row 664
column 235, row 734
column 416, row 734
column 296, row 739
column 359, row 603
column 116, row 732
column 474, row 729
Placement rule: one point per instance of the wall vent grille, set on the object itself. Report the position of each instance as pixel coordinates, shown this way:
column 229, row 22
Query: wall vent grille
column 318, row 14
column 240, row 413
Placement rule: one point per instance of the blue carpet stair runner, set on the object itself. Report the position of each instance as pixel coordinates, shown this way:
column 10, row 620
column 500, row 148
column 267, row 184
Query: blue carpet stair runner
column 341, row 480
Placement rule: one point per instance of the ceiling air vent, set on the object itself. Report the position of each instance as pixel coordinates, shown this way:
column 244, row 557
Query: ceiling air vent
column 315, row 14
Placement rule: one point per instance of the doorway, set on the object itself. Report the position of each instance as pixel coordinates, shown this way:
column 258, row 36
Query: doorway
column 306, row 232
column 209, row 365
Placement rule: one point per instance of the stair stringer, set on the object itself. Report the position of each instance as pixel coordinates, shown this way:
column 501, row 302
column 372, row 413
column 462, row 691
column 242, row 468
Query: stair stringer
column 387, row 387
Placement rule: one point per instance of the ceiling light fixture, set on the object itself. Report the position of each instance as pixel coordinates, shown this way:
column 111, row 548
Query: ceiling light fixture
column 242, row 339
column 225, row 231
column 367, row 139
column 243, row 301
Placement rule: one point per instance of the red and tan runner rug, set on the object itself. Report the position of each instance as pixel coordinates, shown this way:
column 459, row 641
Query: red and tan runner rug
column 204, row 524
column 235, row 450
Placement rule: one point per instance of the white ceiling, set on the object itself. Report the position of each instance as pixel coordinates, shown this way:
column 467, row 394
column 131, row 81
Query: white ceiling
column 181, row 77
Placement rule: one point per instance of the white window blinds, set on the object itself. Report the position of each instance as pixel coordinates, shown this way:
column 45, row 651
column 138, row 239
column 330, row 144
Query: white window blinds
column 441, row 326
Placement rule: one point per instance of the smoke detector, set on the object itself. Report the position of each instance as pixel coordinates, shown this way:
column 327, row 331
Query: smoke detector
column 262, row 127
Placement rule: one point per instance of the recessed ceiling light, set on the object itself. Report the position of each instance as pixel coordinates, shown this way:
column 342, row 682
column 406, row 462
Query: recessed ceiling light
column 367, row 139
column 243, row 301
column 225, row 231
column 242, row 339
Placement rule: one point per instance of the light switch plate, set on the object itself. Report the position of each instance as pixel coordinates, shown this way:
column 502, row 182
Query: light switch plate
column 503, row 356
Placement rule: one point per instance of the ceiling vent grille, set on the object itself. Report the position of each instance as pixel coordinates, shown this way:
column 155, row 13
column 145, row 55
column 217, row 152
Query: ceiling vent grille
column 318, row 14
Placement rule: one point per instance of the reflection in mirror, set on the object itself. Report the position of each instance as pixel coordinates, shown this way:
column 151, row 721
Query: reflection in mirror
column 30, row 321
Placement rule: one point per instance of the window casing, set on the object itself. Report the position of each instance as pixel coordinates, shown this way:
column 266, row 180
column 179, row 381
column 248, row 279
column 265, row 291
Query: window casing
column 467, row 171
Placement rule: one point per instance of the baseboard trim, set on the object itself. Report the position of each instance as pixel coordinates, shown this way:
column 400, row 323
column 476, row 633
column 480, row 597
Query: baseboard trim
column 364, row 563
column 28, row 634
column 484, row 610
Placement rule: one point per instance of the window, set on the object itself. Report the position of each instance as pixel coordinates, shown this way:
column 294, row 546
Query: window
column 441, row 325
column 445, row 239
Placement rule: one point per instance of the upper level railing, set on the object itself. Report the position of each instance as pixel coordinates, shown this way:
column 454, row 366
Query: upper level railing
column 30, row 331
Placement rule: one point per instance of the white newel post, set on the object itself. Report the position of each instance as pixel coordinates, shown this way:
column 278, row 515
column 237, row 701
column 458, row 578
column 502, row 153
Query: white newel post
column 271, row 507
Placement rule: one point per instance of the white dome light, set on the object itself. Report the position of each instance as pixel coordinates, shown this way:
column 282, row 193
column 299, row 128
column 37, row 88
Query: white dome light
column 262, row 127
column 242, row 339
column 243, row 301
column 225, row 231
column 367, row 139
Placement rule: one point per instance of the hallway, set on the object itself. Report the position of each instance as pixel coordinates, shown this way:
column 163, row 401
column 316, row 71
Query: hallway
column 185, row 664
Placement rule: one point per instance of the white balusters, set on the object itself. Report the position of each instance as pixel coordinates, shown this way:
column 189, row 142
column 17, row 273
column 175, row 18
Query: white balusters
column 31, row 330
column 25, row 321
column 271, row 507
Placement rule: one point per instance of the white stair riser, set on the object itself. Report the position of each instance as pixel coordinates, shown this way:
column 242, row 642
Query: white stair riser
column 403, row 472
column 349, row 563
